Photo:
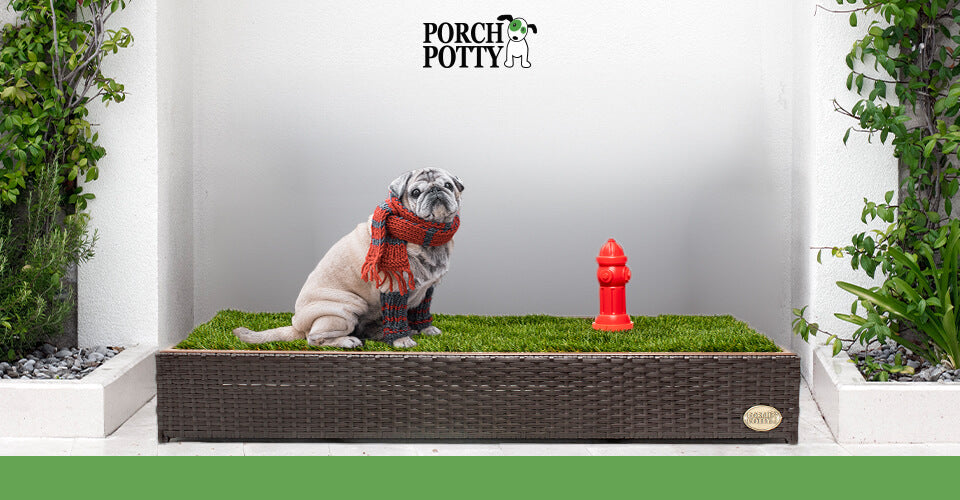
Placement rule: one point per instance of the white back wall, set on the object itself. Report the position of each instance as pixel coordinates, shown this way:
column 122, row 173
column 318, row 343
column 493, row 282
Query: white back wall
column 843, row 175
column 703, row 141
column 175, row 39
column 118, row 288
column 645, row 123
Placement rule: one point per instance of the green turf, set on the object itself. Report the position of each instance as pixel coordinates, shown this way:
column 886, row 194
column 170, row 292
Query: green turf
column 516, row 334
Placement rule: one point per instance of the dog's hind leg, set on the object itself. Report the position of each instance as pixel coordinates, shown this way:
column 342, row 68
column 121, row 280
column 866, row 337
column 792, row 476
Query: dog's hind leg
column 332, row 331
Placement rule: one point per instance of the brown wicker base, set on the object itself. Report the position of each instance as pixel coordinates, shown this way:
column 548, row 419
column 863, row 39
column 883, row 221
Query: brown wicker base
column 269, row 395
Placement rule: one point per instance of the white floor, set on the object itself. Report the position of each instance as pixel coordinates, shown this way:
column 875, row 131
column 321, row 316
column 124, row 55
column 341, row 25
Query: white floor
column 138, row 436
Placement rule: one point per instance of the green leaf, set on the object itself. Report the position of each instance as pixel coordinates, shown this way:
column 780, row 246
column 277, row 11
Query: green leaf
column 879, row 300
column 869, row 265
column 928, row 149
column 853, row 19
column 837, row 347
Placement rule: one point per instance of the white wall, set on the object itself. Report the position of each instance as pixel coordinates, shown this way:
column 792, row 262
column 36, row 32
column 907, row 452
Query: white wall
column 7, row 15
column 664, row 128
column 175, row 33
column 803, row 133
column 118, row 288
column 139, row 286
column 706, row 144
column 842, row 175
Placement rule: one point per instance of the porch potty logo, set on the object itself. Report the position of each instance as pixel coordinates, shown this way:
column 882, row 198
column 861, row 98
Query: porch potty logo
column 477, row 45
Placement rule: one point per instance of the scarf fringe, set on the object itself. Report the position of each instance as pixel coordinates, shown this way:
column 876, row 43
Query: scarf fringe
column 371, row 272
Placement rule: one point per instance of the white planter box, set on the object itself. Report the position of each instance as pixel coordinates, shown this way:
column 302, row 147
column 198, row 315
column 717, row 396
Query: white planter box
column 93, row 406
column 858, row 411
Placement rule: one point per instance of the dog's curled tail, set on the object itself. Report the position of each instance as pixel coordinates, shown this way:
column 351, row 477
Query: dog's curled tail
column 284, row 333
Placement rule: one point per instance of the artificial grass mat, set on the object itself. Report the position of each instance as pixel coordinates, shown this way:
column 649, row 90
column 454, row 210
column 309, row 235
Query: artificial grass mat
column 535, row 333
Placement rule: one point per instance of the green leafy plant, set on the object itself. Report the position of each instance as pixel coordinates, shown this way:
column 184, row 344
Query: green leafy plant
column 50, row 70
column 875, row 370
column 904, row 69
column 925, row 297
column 36, row 246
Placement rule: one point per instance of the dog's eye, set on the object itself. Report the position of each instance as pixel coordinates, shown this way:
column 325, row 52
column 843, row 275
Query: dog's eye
column 448, row 186
column 415, row 193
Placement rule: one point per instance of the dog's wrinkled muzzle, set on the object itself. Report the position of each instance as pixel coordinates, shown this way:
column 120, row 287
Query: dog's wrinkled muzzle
column 437, row 204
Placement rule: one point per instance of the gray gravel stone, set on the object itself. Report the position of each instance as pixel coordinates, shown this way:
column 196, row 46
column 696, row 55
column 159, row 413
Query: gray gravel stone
column 931, row 373
column 50, row 363
column 923, row 370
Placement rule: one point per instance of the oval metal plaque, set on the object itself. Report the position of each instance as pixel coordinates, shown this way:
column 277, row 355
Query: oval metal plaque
column 762, row 418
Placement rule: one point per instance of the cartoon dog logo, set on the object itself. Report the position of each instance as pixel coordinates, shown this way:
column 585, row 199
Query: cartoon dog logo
column 517, row 43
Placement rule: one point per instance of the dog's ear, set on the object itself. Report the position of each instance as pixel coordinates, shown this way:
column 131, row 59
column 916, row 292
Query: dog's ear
column 399, row 185
column 533, row 27
column 458, row 183
column 505, row 17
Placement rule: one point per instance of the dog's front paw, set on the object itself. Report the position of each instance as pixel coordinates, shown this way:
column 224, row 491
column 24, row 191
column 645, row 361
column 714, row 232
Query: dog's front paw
column 346, row 342
column 430, row 331
column 404, row 342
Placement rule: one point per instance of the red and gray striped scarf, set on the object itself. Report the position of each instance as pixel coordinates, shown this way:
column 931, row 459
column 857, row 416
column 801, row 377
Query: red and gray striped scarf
column 394, row 226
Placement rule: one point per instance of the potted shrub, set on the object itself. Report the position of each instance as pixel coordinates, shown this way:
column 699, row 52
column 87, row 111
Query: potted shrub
column 50, row 74
column 50, row 71
column 904, row 70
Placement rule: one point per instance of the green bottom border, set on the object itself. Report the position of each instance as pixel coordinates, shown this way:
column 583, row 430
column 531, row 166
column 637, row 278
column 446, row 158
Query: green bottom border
column 467, row 477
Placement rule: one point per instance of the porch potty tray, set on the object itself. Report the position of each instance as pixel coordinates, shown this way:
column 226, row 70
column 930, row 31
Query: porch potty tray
column 585, row 385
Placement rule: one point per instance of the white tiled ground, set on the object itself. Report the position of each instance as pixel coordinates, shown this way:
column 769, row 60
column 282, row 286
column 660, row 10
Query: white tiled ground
column 138, row 436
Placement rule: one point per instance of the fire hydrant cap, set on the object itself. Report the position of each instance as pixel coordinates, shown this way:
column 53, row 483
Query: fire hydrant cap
column 611, row 254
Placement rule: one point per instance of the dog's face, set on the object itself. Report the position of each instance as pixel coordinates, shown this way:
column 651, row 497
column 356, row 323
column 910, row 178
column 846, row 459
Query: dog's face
column 433, row 194
column 518, row 29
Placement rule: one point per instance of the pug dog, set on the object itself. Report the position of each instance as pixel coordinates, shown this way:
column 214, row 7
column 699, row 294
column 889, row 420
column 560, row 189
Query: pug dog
column 363, row 288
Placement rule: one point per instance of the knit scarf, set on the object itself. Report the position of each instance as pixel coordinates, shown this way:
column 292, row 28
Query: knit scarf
column 394, row 226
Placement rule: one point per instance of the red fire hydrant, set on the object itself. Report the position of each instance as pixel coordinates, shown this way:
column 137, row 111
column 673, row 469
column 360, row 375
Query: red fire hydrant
column 613, row 275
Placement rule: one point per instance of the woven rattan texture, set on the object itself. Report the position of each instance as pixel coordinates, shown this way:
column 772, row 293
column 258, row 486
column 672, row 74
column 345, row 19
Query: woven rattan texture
column 332, row 395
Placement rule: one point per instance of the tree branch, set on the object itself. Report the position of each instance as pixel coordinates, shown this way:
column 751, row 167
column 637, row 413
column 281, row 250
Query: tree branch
column 865, row 7
column 880, row 80
column 56, row 48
